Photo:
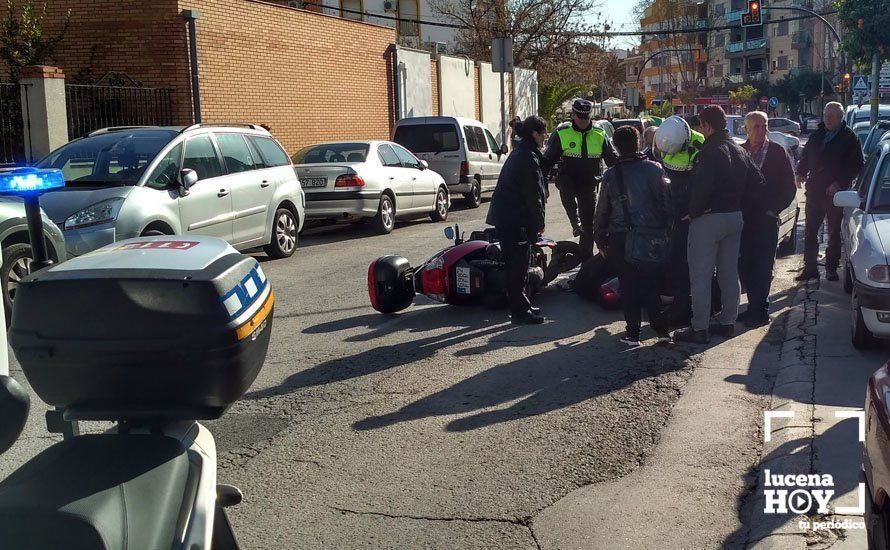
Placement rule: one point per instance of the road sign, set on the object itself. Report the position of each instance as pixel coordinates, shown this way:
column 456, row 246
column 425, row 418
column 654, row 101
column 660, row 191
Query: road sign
column 773, row 102
column 502, row 55
column 861, row 84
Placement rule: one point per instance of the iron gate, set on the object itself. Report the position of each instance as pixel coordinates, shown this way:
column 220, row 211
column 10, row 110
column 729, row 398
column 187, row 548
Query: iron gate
column 123, row 101
column 12, row 132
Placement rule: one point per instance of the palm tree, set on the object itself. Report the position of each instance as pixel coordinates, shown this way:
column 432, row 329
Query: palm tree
column 552, row 96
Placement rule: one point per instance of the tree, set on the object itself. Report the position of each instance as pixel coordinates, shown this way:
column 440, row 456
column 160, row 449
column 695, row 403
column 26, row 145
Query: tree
column 743, row 95
column 546, row 34
column 552, row 96
column 866, row 26
column 23, row 41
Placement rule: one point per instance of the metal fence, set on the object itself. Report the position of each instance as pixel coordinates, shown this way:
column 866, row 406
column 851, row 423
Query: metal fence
column 94, row 107
column 12, row 132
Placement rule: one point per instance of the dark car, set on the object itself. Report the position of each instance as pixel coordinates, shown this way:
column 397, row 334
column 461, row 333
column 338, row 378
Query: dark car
column 635, row 122
column 876, row 459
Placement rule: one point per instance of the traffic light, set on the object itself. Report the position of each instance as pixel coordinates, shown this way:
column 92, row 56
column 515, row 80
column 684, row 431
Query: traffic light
column 753, row 17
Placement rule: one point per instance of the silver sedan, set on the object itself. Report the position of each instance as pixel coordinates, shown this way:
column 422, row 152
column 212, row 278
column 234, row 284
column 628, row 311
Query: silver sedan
column 378, row 180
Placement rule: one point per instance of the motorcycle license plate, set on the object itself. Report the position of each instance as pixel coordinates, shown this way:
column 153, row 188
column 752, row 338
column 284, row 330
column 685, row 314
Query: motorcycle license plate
column 463, row 280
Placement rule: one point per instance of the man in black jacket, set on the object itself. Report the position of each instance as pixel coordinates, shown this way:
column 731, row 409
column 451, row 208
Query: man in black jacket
column 517, row 211
column 722, row 176
column 829, row 163
column 760, row 236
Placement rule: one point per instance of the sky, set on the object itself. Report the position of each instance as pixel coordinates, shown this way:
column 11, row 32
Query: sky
column 619, row 12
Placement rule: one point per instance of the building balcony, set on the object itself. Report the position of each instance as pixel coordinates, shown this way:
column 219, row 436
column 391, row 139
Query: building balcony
column 733, row 16
column 735, row 79
column 735, row 47
column 801, row 40
column 750, row 47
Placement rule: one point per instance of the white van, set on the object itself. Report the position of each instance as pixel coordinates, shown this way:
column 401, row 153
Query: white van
column 461, row 150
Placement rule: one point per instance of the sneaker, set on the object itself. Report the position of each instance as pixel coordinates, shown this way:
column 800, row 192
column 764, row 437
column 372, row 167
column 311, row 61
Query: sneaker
column 832, row 276
column 664, row 340
column 630, row 341
column 692, row 336
column 807, row 275
column 726, row 331
column 534, row 309
column 528, row 318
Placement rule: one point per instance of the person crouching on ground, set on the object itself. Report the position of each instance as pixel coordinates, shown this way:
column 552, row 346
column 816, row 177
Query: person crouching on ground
column 517, row 212
column 634, row 187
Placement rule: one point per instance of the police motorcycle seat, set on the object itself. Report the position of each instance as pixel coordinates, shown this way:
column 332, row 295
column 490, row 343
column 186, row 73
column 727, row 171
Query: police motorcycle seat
column 98, row 492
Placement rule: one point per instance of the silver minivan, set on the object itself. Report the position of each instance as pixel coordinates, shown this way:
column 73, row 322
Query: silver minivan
column 462, row 150
column 233, row 182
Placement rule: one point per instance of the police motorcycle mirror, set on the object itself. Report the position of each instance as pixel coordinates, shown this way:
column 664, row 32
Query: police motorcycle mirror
column 449, row 232
column 187, row 179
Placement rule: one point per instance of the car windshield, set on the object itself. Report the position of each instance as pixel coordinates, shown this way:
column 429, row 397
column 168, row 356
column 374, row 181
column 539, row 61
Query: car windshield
column 428, row 138
column 332, row 152
column 881, row 200
column 111, row 159
column 737, row 126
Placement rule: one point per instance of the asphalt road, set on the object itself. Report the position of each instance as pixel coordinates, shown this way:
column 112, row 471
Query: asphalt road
column 440, row 427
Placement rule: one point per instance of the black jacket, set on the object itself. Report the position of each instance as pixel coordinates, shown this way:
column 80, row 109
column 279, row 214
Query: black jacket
column 648, row 199
column 579, row 170
column 778, row 176
column 723, row 175
column 520, row 195
column 838, row 161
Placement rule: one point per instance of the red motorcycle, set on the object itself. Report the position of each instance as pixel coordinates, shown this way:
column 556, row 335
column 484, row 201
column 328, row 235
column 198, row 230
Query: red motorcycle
column 471, row 272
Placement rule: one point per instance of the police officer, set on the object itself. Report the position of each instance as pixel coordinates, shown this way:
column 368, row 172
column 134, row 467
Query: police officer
column 581, row 148
column 679, row 145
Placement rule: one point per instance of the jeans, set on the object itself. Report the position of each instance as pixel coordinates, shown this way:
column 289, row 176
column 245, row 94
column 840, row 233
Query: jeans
column 760, row 237
column 579, row 201
column 820, row 207
column 639, row 290
column 516, row 249
column 714, row 241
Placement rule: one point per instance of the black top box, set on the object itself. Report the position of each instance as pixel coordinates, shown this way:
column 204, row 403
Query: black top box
column 149, row 328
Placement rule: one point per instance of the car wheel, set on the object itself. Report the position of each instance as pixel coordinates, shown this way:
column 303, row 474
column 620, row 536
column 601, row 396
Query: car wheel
column 862, row 338
column 16, row 266
column 474, row 197
column 440, row 214
column 284, row 235
column 789, row 245
column 385, row 220
column 848, row 278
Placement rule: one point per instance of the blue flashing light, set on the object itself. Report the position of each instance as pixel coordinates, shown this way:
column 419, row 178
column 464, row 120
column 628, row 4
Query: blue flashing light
column 25, row 181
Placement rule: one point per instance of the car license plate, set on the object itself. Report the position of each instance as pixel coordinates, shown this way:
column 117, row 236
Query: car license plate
column 314, row 182
column 463, row 280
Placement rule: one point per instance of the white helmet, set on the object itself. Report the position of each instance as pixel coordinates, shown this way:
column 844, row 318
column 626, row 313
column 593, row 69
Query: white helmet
column 673, row 135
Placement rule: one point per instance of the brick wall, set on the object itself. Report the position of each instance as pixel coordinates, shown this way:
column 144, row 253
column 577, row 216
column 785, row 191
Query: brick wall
column 145, row 39
column 309, row 76
column 434, row 76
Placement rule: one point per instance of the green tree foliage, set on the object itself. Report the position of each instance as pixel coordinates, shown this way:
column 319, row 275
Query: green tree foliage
column 866, row 26
column 23, row 41
column 552, row 96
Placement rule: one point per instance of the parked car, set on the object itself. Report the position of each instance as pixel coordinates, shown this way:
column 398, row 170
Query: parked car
column 856, row 114
column 16, row 247
column 637, row 123
column 377, row 180
column 736, row 126
column 865, row 232
column 861, row 129
column 784, row 125
column 461, row 150
column 233, row 182
column 876, row 459
column 875, row 136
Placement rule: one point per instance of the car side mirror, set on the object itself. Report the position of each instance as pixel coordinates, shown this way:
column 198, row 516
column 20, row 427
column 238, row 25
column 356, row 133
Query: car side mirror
column 504, row 149
column 187, row 178
column 424, row 165
column 847, row 199
column 14, row 407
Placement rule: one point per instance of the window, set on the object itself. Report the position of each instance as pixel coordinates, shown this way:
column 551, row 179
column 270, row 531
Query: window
column 332, row 152
column 473, row 143
column 428, row 138
column 407, row 159
column 271, row 152
column 782, row 28
column 720, row 10
column 782, row 63
column 480, row 139
column 166, row 173
column 408, row 14
column 387, row 156
column 719, row 40
column 236, row 155
column 881, row 199
column 353, row 7
column 865, row 176
column 200, row 156
column 493, row 143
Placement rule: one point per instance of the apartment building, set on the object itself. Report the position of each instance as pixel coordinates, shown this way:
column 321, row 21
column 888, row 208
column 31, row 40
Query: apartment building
column 676, row 62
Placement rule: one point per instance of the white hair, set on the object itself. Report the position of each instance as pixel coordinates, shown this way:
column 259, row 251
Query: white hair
column 836, row 106
column 756, row 114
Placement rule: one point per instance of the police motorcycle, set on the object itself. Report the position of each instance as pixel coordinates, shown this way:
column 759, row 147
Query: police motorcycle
column 153, row 334
column 471, row 272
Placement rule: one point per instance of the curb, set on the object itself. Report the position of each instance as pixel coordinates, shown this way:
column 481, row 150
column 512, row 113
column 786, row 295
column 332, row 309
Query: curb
column 791, row 446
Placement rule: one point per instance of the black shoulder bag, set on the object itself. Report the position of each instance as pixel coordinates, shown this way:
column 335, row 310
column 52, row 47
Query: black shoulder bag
column 644, row 247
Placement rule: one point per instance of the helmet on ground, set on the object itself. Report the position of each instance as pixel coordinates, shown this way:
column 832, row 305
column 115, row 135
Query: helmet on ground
column 673, row 135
